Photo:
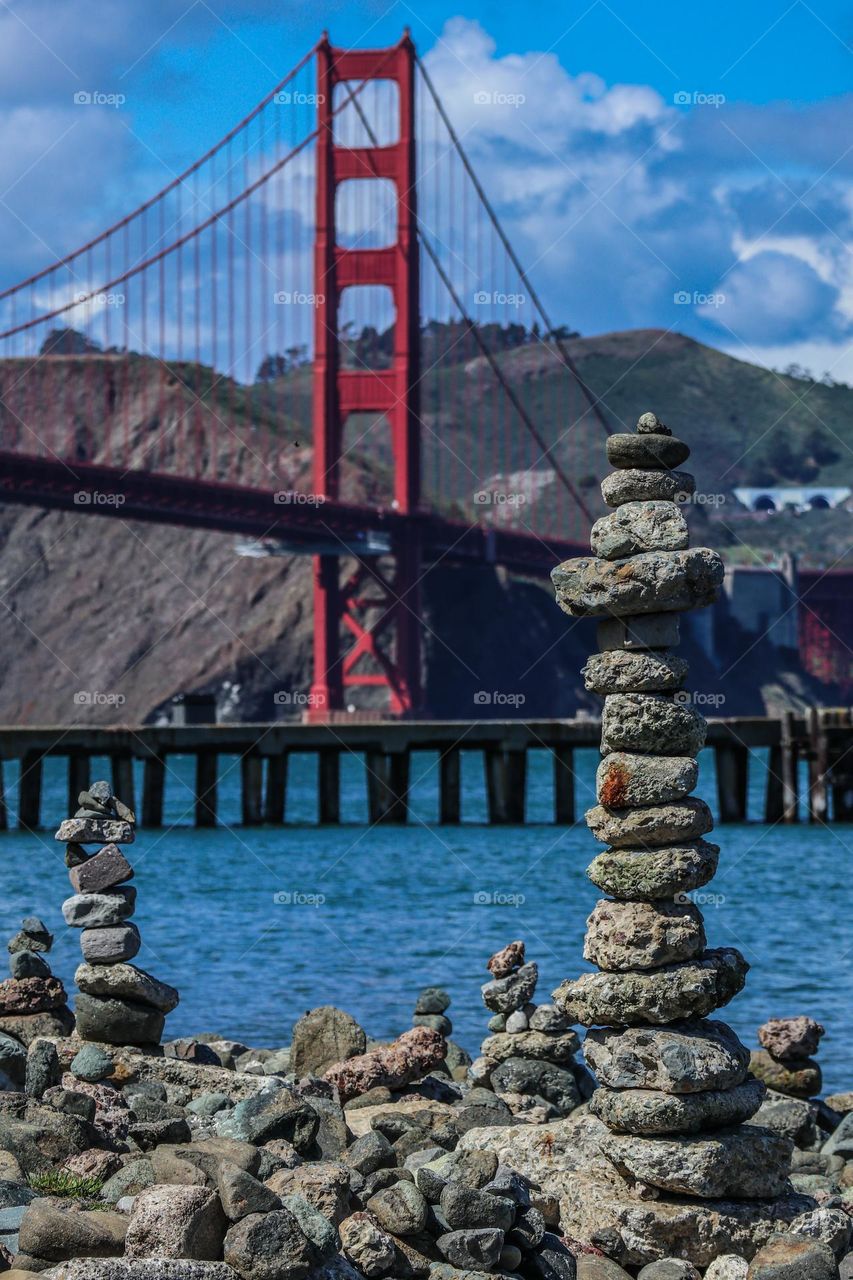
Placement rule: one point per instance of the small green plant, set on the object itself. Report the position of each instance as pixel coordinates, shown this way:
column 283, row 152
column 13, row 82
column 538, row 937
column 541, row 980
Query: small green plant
column 74, row 1186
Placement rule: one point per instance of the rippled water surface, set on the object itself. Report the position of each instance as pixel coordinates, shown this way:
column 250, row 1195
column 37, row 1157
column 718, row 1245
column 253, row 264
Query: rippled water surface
column 256, row 925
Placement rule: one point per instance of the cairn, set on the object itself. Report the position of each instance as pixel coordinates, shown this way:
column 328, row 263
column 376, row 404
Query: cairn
column 786, row 1061
column 33, row 1002
column 529, row 1058
column 674, row 1087
column 118, row 1003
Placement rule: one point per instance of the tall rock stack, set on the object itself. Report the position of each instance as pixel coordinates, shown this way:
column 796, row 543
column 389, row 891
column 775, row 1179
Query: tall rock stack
column 118, row 1003
column 530, row 1055
column 674, row 1085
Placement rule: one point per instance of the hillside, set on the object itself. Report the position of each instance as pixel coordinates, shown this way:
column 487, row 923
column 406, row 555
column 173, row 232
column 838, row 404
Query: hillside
column 136, row 614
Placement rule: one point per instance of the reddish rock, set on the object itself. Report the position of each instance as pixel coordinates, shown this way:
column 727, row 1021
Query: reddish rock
column 93, row 1163
column 31, row 995
column 102, row 871
column 505, row 962
column 413, row 1055
column 790, row 1039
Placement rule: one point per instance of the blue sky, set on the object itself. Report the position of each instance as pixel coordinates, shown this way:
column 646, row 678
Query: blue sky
column 671, row 165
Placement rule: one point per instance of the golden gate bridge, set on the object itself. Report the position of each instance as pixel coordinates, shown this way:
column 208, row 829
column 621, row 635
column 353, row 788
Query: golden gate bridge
column 317, row 336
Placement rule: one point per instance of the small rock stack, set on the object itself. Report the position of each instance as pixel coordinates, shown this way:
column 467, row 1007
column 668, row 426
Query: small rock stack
column 32, row 1002
column 529, row 1059
column 118, row 1003
column 785, row 1061
column 431, row 1011
column 674, row 1087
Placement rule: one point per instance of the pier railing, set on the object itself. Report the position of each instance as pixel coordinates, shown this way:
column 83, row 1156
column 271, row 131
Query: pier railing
column 822, row 738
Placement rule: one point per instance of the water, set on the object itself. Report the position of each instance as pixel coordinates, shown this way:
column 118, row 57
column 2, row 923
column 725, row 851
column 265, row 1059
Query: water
column 257, row 925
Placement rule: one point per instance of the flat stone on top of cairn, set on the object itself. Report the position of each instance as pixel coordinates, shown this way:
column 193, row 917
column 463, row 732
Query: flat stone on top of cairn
column 118, row 1003
column 674, row 1085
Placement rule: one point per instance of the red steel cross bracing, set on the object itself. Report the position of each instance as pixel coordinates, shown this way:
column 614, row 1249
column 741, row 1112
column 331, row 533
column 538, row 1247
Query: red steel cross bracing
column 384, row 625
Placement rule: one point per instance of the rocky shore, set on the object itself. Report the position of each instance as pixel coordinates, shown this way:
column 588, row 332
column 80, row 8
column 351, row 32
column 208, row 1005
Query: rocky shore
column 620, row 1131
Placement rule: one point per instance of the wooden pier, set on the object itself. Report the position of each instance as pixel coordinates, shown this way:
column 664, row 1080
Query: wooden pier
column 823, row 739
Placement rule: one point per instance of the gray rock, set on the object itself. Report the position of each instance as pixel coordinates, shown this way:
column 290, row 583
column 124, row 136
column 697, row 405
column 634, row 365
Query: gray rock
column 209, row 1104
column 270, row 1246
column 552, row 1260
column 505, row 995
column 593, row 1268
column 370, row 1152
column 139, row 1269
column 95, row 831
column 317, row 1228
column 646, row 875
column 788, row 1257
column 639, row 526
column 91, row 1063
column 126, row 982
column 547, row 1017
column 555, row 1084
column 728, row 1267
column 642, row 935
column 678, row 991
column 650, row 826
column 798, row 1079
column 789, row 1116
column 323, row 1037
column 669, row 1269
column 624, row 671
column 275, row 1113
column 529, row 1228
column 28, row 964
column 34, row 936
column 43, row 1069
column 117, row 1021
column 651, row 722
column 636, row 485
column 110, row 945
column 744, row 1163
column 649, row 1111
column 841, row 1141
column 683, row 1057
column 241, row 1194
column 128, row 1181
column 516, row 1022
column 176, row 1222
column 655, row 582
column 437, row 1021
column 464, row 1207
column 832, row 1226
column 474, row 1250
column 99, row 910
column 55, row 1230
column 432, row 1000
column 638, row 632
column 13, row 1058
column 104, row 870
column 647, row 451
column 624, row 779
column 400, row 1209
column 541, row 1045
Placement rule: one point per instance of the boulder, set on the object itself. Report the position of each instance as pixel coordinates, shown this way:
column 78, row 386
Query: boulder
column 410, row 1057
column 642, row 935
column 655, row 582
column 743, row 1164
column 543, row 1079
column 648, row 875
column 60, row 1229
column 276, row 1113
column 650, row 1111
column 324, row 1184
column 368, row 1247
column 651, row 722
column 270, row 1246
column 650, row 826
column 625, row 779
column 176, row 1222
column 323, row 1037
column 693, row 989
column 684, row 1057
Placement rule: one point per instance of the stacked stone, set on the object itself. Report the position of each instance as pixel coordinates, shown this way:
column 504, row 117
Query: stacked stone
column 674, row 1086
column 431, row 1010
column 785, row 1061
column 118, row 1003
column 530, row 1055
column 32, row 1001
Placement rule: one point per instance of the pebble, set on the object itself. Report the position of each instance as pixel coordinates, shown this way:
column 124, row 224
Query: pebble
column 117, row 1021
column 504, row 995
column 789, row 1258
column 790, row 1039
column 507, row 960
column 432, row 1000
column 801, row 1079
column 28, row 964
